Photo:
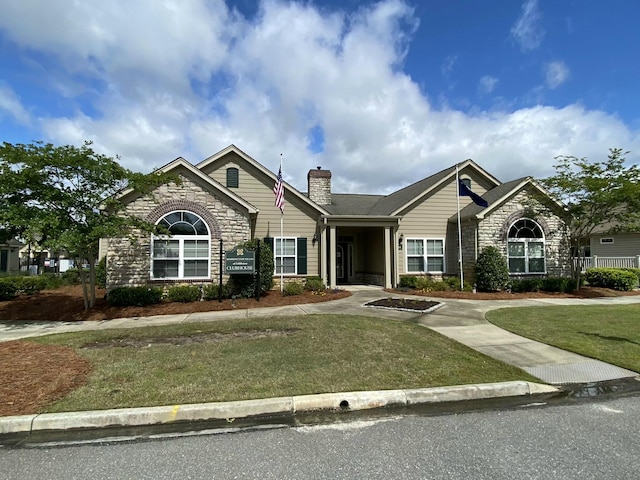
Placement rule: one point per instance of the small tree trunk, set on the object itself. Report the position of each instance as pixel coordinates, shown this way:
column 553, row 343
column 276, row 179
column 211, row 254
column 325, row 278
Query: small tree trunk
column 92, row 280
column 83, row 282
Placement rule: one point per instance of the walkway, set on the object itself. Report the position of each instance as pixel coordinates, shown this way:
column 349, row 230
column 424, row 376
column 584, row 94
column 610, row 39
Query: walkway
column 460, row 320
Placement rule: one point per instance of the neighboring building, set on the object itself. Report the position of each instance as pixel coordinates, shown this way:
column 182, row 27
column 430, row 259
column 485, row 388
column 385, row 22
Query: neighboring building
column 10, row 256
column 343, row 238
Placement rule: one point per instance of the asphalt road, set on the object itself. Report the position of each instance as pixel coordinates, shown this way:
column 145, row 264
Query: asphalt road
column 596, row 439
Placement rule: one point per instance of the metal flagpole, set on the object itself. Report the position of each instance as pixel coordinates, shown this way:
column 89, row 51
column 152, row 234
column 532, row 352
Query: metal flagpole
column 459, row 230
column 281, row 231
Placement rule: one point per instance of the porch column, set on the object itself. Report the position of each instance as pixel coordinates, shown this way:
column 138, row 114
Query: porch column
column 323, row 255
column 396, row 263
column 332, row 257
column 387, row 257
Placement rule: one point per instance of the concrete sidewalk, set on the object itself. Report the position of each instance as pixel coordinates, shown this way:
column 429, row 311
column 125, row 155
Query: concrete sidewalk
column 461, row 320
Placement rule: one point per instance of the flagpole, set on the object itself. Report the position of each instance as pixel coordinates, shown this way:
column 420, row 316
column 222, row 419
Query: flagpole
column 281, row 239
column 459, row 230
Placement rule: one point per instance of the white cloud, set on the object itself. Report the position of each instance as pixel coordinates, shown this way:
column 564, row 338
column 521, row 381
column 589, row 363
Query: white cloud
column 448, row 64
column 10, row 104
column 263, row 84
column 487, row 84
column 556, row 73
column 527, row 30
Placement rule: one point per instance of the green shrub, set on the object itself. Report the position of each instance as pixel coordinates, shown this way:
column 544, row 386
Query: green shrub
column 292, row 288
column 210, row 292
column 408, row 281
column 134, row 296
column 491, row 271
column 454, row 284
column 636, row 271
column 184, row 293
column 558, row 284
column 70, row 277
column 101, row 273
column 615, row 278
column 244, row 285
column 314, row 284
column 8, row 289
column 52, row 280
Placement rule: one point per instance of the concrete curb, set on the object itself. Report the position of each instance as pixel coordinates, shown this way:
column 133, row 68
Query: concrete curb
column 25, row 425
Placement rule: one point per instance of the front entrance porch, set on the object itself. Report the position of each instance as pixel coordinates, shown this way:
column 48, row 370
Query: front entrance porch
column 364, row 253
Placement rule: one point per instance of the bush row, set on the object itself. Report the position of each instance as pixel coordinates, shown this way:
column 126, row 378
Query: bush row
column 548, row 284
column 615, row 278
column 141, row 296
column 427, row 284
column 11, row 287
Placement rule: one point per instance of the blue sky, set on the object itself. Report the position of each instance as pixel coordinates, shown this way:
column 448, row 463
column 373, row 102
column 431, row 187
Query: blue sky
column 382, row 93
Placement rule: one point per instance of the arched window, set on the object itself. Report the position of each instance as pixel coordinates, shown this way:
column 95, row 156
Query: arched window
column 525, row 247
column 185, row 252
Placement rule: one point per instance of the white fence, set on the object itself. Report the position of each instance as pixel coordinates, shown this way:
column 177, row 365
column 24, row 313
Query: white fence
column 610, row 262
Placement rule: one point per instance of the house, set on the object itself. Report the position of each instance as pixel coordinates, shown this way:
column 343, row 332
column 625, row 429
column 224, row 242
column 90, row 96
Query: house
column 10, row 256
column 612, row 247
column 344, row 238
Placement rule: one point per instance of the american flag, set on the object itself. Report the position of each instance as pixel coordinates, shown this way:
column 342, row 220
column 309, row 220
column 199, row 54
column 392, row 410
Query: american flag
column 278, row 191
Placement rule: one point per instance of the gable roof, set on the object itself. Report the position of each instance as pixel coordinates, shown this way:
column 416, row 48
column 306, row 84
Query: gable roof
column 394, row 203
column 263, row 170
column 497, row 196
column 180, row 162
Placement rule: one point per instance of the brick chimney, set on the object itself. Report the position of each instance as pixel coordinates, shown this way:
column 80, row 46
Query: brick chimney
column 319, row 183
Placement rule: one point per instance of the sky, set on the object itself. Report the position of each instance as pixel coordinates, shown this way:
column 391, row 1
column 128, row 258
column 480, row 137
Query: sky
column 382, row 93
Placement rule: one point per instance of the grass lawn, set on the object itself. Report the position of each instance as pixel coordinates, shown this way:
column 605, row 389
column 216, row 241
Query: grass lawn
column 267, row 357
column 607, row 333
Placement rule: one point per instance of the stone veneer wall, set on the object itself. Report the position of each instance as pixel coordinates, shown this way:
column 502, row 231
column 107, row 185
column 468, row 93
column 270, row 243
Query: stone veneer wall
column 493, row 230
column 129, row 262
column 319, row 186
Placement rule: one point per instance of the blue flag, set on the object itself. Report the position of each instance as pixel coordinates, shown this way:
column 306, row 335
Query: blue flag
column 465, row 191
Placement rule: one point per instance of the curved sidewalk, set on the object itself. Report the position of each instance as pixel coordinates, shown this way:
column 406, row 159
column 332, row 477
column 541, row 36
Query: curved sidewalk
column 460, row 320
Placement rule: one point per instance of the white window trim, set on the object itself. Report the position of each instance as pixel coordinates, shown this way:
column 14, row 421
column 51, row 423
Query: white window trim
column 425, row 255
column 525, row 241
column 275, row 255
column 181, row 258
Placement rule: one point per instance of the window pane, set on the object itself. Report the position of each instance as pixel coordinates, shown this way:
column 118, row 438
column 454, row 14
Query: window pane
column 415, row 264
column 289, row 264
column 196, row 268
column 182, row 228
column 435, row 264
column 173, row 218
column 516, row 249
column 536, row 249
column 434, row 247
column 165, row 268
column 516, row 265
column 166, row 248
column 190, row 218
column 196, row 248
column 536, row 265
column 201, row 228
column 415, row 247
column 288, row 245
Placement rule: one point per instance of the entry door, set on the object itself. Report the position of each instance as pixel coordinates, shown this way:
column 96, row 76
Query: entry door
column 344, row 267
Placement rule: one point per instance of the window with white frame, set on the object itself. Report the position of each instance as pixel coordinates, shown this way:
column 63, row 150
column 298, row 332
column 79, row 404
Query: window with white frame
column 525, row 247
column 285, row 255
column 425, row 255
column 185, row 252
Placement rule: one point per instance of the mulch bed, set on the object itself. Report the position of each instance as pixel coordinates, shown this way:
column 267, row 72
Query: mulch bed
column 404, row 304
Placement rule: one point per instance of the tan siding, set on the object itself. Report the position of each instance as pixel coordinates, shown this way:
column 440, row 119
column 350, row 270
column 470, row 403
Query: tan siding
column 624, row 245
column 299, row 219
column 430, row 218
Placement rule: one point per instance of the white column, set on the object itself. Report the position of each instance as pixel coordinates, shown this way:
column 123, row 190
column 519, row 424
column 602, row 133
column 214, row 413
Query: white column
column 395, row 261
column 323, row 255
column 387, row 257
column 332, row 257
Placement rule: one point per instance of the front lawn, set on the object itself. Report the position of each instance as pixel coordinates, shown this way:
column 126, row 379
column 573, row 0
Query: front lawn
column 270, row 357
column 603, row 332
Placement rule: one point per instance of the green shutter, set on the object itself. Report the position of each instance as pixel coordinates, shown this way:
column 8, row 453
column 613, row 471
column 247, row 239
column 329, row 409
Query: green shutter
column 302, row 256
column 269, row 241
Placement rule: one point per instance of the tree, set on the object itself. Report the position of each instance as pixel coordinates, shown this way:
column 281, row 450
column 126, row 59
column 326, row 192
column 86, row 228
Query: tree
column 70, row 197
column 596, row 195
column 491, row 272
